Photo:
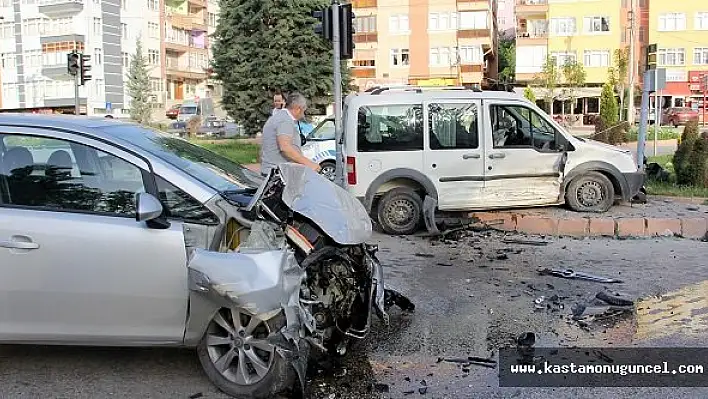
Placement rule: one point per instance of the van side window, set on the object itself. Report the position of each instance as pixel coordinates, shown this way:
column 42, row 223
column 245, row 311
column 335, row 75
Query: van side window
column 517, row 126
column 390, row 128
column 453, row 126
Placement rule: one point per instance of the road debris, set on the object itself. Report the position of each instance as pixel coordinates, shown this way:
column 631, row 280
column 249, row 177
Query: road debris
column 571, row 274
column 424, row 387
column 614, row 298
column 536, row 243
column 423, row 255
column 381, row 388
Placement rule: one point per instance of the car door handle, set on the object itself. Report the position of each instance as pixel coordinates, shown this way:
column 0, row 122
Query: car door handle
column 18, row 245
column 469, row 156
column 497, row 155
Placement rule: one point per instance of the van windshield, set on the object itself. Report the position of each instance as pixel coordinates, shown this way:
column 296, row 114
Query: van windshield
column 188, row 110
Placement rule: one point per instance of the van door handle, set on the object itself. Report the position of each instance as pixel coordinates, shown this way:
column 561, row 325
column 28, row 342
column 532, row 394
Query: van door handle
column 496, row 155
column 468, row 156
column 18, row 245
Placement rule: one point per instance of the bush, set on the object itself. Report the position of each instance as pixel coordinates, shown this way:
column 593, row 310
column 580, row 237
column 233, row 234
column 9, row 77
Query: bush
column 612, row 134
column 683, row 153
column 696, row 169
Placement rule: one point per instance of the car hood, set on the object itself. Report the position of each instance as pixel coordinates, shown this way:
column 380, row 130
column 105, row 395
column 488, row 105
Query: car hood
column 604, row 146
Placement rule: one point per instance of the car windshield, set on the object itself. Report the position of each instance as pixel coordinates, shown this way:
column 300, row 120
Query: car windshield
column 216, row 171
column 188, row 110
column 324, row 131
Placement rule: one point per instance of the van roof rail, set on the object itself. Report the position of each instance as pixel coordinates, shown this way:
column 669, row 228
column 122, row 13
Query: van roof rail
column 418, row 89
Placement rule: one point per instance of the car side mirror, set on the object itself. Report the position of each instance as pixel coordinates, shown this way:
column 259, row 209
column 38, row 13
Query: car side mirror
column 148, row 207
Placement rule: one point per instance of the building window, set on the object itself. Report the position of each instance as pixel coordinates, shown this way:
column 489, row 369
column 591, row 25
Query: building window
column 8, row 60
column 440, row 56
column 98, row 87
column 701, row 22
column 156, row 85
column 124, row 31
column 154, row 30
column 7, row 30
column 365, row 24
column 700, row 56
column 97, row 26
column 672, row 21
column 474, row 20
column 124, row 4
column 642, row 34
column 398, row 24
column 32, row 58
column 212, row 19
column 442, row 21
column 596, row 58
column 364, row 63
column 154, row 57
column 563, row 58
column 501, row 21
column 126, row 59
column 563, row 26
column 471, row 54
column 32, row 26
column 596, row 24
column 671, row 56
column 400, row 57
column 153, row 5
column 98, row 56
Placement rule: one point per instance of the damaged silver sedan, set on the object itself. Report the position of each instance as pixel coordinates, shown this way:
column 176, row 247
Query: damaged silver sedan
column 116, row 235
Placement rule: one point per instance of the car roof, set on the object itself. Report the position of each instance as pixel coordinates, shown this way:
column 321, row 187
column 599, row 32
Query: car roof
column 413, row 95
column 95, row 127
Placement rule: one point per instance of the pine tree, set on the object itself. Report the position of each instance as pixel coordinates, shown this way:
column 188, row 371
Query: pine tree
column 139, row 86
column 682, row 155
column 697, row 165
column 265, row 46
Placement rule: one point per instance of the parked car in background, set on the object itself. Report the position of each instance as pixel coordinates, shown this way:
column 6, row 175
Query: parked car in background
column 678, row 116
column 211, row 127
column 320, row 147
column 198, row 107
column 173, row 111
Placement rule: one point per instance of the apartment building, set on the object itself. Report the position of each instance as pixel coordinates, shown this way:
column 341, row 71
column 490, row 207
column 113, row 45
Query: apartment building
column 680, row 31
column 424, row 42
column 36, row 35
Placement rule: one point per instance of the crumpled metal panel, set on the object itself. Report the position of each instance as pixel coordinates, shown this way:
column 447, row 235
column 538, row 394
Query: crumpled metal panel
column 333, row 209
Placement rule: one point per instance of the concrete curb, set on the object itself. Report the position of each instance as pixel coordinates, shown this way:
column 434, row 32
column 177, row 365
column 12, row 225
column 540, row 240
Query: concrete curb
column 618, row 227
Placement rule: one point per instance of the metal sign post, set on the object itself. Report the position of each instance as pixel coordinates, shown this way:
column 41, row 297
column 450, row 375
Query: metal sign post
column 657, row 109
column 644, row 119
column 336, row 38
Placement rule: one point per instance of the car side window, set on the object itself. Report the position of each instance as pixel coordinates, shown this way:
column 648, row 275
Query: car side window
column 182, row 206
column 390, row 128
column 517, row 126
column 453, row 126
column 55, row 174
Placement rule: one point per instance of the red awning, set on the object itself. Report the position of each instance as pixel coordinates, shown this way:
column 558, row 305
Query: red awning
column 676, row 89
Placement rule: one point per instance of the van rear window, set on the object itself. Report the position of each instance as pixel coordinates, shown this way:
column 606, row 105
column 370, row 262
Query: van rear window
column 390, row 128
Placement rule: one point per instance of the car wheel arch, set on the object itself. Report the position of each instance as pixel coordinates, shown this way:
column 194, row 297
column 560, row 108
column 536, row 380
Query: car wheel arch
column 619, row 183
column 399, row 178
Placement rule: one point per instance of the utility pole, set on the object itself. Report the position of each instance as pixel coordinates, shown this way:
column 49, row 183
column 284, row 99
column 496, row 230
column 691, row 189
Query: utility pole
column 336, row 38
column 632, row 65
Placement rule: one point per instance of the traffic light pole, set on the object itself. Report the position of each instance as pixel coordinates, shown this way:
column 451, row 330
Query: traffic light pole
column 77, row 108
column 338, row 131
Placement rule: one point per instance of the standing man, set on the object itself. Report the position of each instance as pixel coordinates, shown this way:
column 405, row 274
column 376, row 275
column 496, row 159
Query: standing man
column 281, row 136
column 278, row 102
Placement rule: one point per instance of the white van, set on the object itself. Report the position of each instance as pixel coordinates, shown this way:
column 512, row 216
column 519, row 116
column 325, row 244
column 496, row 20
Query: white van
column 470, row 150
column 198, row 107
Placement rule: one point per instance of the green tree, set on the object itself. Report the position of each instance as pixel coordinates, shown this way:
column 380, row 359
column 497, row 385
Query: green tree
column 617, row 76
column 507, row 58
column 606, row 127
column 528, row 93
column 697, row 165
column 265, row 46
column 549, row 79
column 139, row 86
column 682, row 156
column 574, row 75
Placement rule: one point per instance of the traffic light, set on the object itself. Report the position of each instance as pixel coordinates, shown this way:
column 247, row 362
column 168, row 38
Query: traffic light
column 324, row 26
column 651, row 56
column 346, row 29
column 85, row 67
column 73, row 63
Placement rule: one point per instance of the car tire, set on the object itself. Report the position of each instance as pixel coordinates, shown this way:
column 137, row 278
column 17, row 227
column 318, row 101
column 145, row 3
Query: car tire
column 329, row 170
column 400, row 211
column 277, row 380
column 590, row 192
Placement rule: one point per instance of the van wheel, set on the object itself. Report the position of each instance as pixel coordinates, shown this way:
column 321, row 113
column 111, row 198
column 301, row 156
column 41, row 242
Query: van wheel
column 591, row 192
column 400, row 211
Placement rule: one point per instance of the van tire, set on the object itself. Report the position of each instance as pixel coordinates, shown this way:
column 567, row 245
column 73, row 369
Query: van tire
column 591, row 192
column 410, row 211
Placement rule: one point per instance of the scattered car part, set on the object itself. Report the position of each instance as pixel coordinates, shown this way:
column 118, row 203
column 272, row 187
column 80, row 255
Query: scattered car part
column 536, row 243
column 614, row 298
column 571, row 274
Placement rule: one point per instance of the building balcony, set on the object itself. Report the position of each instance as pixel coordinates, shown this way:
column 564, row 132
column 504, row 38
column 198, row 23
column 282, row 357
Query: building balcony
column 60, row 8
column 186, row 22
column 182, row 47
column 471, row 68
column 363, row 72
column 366, row 37
column 181, row 71
column 364, row 3
column 198, row 3
column 472, row 5
column 56, row 72
column 531, row 7
column 61, row 37
column 474, row 34
column 531, row 39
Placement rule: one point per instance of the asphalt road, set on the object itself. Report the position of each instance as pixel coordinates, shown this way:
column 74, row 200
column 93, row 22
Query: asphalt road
column 473, row 295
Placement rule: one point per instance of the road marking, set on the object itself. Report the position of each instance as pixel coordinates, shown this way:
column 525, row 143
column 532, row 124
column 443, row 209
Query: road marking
column 684, row 311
